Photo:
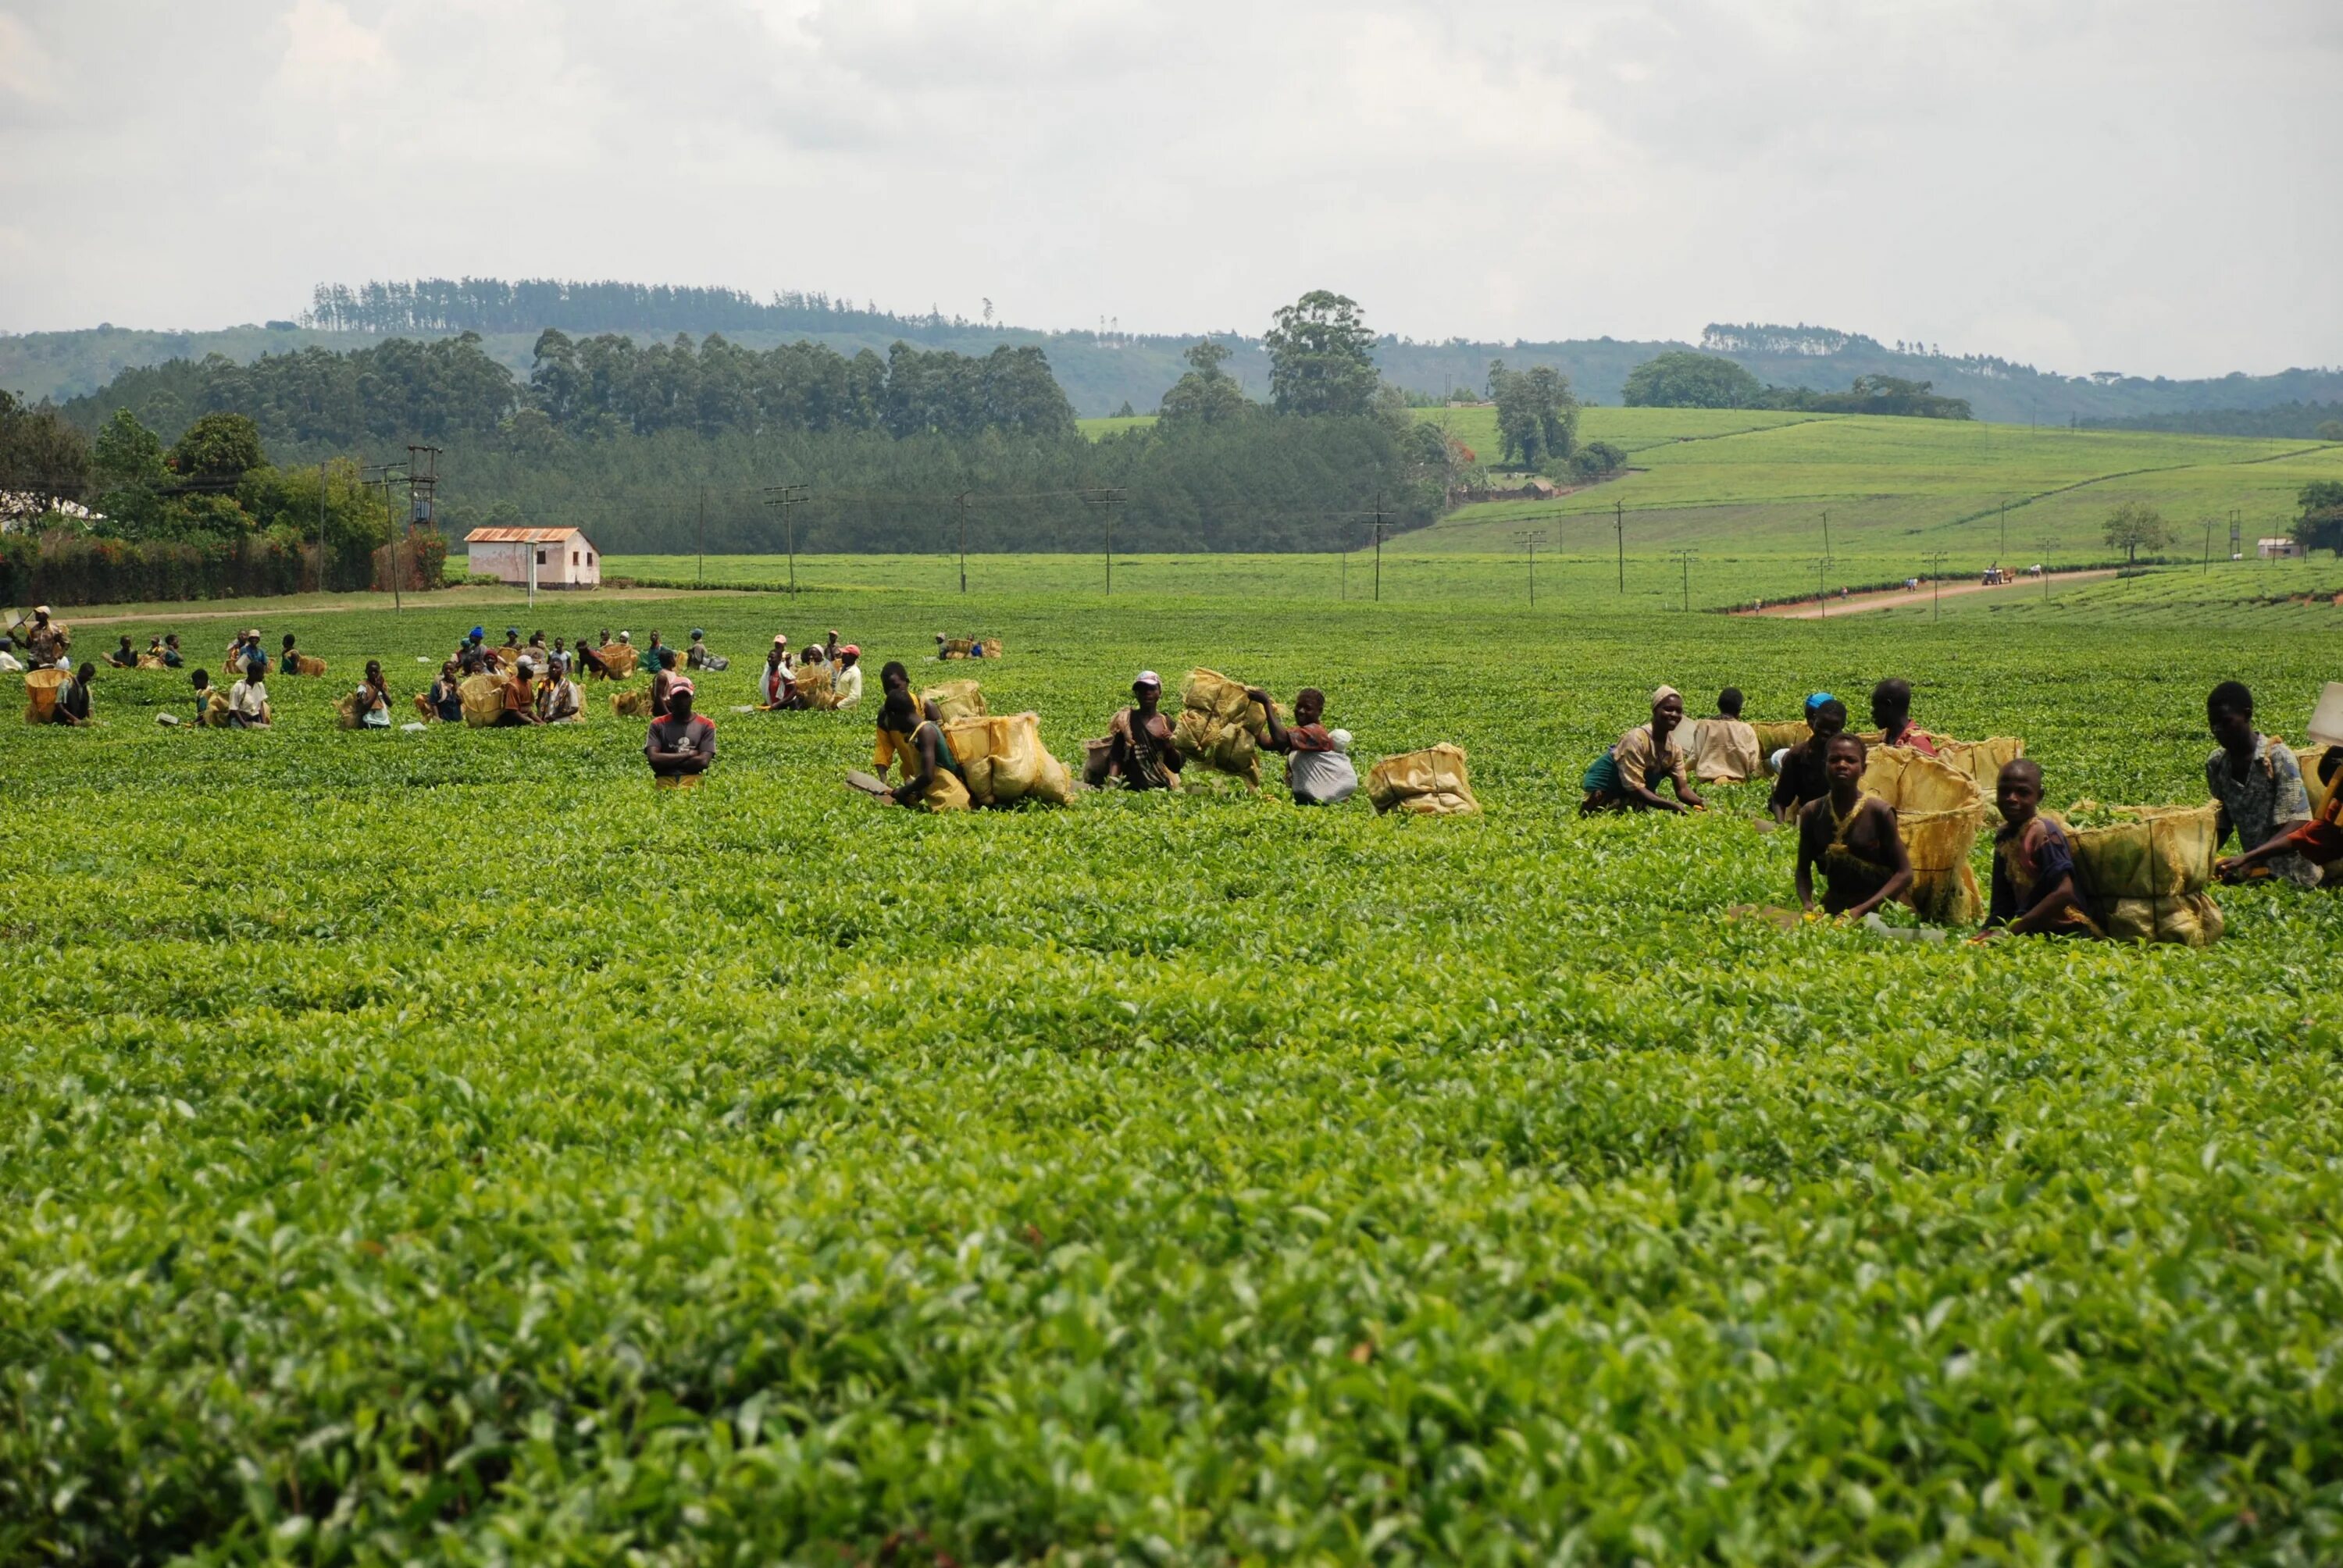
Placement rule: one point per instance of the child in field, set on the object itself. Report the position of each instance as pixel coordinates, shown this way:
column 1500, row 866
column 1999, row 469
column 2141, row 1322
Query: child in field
column 1800, row 777
column 1724, row 749
column 2034, row 888
column 1891, row 715
column 1851, row 834
column 2260, row 787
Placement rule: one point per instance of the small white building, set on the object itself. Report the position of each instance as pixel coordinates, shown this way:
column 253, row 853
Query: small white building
column 563, row 558
column 2277, row 549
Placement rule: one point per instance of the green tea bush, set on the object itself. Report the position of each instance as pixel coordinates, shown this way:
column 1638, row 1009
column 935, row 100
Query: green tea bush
column 443, row 1145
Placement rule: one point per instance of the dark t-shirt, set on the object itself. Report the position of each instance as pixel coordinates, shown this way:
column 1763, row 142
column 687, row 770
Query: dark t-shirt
column 694, row 735
column 1802, row 777
column 2041, row 857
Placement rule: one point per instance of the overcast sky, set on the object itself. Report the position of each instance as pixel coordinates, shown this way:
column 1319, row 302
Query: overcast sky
column 2085, row 184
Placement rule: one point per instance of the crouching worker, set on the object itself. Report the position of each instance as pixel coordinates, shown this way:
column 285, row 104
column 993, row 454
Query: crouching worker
column 2033, row 890
column 683, row 744
column 519, row 708
column 1851, row 834
column 1724, row 749
column 908, row 732
column 1625, row 778
column 1316, row 769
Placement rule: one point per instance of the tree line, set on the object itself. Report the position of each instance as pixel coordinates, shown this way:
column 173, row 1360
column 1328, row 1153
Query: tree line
column 445, row 388
column 1684, row 379
column 484, row 304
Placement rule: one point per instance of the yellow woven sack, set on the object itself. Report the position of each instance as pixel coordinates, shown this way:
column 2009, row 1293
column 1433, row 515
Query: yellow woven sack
column 636, row 704
column 1938, row 814
column 945, row 793
column 955, row 700
column 151, row 661
column 1982, row 760
column 2145, row 879
column 483, row 697
column 1052, row 783
column 971, row 743
column 346, row 712
column 1430, row 782
column 813, row 684
column 1772, row 737
column 1210, row 691
column 618, row 659
column 2307, row 758
column 1016, row 757
column 215, row 713
column 41, row 695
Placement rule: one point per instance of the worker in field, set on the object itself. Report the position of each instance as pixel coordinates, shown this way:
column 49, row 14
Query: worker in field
column 2034, row 888
column 520, row 696
column 2318, row 840
column 1891, row 715
column 243, row 651
column 1799, row 777
column 558, row 700
column 780, row 688
column 681, row 743
column 123, row 657
column 202, row 680
column 372, row 698
column 509, row 654
column 1627, row 778
column 447, row 694
column 846, row 678
column 42, row 639
column 172, row 658
column 1139, row 748
column 910, row 732
column 1851, row 834
column 72, row 697
column 663, row 677
column 288, row 660
column 1316, row 769
column 2258, row 785
column 1724, row 749
column 247, row 699
column 699, row 657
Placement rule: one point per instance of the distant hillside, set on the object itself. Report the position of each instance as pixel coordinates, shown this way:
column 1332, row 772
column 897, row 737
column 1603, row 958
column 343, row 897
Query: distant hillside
column 1100, row 371
column 2288, row 421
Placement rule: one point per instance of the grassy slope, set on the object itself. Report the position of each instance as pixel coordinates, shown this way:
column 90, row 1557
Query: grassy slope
column 465, row 1138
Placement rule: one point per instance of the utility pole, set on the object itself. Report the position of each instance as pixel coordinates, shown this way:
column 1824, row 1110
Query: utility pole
column 1935, row 582
column 1822, row 589
column 963, row 541
column 2005, row 531
column 2045, row 569
column 702, row 536
column 422, row 501
column 785, row 496
column 1619, row 526
column 1825, row 533
column 383, row 473
column 1531, row 539
column 1106, row 499
column 2207, row 570
column 321, row 527
column 1684, row 559
column 1378, row 546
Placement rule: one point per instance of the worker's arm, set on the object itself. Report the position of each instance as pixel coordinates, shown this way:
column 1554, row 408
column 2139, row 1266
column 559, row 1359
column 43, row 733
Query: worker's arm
column 2055, row 900
column 1167, row 749
column 1899, row 880
column 2230, row 866
column 923, row 755
column 1278, row 739
column 1686, row 792
column 1805, row 872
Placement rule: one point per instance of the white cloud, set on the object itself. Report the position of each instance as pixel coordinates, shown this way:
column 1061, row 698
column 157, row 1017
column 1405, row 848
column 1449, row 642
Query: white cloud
column 2134, row 186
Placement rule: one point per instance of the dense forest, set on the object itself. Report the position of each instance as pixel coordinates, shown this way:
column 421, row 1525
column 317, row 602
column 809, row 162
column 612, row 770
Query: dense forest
column 607, row 385
column 2286, row 421
column 485, row 305
column 672, row 445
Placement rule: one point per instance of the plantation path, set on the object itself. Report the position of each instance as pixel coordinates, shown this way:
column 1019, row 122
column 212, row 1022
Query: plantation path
column 1854, row 604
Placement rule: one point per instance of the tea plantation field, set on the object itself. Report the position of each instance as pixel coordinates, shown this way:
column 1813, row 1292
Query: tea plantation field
column 443, row 1146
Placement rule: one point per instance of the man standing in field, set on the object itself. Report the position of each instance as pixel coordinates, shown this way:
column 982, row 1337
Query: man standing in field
column 681, row 743
column 1627, row 776
column 1851, row 834
column 1891, row 714
column 1316, row 769
column 2260, row 787
column 1802, row 780
column 2034, row 888
column 1139, row 749
column 1724, row 749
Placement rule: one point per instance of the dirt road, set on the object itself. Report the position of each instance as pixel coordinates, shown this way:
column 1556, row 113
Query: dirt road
column 1854, row 604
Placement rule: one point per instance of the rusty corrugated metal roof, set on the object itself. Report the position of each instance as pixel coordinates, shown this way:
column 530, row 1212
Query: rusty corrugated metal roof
column 519, row 536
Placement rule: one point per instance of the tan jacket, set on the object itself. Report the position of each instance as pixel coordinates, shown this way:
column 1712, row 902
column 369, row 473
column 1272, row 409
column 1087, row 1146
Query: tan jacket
column 1725, row 751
